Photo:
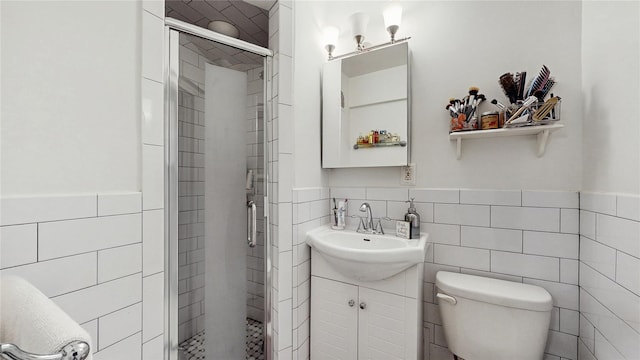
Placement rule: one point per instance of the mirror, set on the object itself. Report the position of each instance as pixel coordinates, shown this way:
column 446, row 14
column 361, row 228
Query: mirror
column 365, row 109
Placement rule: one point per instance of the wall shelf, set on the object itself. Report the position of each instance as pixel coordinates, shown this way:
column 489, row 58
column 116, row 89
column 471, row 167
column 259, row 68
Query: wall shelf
column 542, row 131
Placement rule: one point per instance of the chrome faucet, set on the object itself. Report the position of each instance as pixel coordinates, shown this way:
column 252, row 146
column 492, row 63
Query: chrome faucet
column 368, row 224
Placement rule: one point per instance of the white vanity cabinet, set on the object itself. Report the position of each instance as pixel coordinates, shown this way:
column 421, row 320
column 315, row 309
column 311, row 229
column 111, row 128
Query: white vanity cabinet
column 365, row 320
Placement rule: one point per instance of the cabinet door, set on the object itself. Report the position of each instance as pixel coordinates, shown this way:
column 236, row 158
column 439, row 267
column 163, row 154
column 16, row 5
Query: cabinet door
column 334, row 322
column 386, row 326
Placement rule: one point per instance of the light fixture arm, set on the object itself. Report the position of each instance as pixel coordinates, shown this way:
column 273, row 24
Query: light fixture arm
column 330, row 49
column 360, row 42
column 370, row 48
column 393, row 29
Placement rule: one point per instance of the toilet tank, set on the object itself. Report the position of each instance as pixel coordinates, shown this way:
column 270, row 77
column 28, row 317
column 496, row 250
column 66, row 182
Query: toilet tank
column 490, row 319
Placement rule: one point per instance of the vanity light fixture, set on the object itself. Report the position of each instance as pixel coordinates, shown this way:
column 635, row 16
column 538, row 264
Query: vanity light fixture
column 330, row 39
column 392, row 19
column 359, row 22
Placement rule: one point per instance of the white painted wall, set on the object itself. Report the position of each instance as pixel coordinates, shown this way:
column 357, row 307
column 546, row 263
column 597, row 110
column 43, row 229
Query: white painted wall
column 309, row 56
column 70, row 97
column 611, row 89
column 490, row 40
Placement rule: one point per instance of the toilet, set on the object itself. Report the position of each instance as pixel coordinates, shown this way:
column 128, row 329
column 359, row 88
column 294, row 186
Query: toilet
column 490, row 319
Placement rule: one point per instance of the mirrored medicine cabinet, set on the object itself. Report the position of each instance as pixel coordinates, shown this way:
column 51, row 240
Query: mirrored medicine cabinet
column 365, row 109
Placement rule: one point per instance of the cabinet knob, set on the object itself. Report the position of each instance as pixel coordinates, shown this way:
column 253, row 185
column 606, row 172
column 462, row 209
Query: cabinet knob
column 351, row 303
column 363, row 306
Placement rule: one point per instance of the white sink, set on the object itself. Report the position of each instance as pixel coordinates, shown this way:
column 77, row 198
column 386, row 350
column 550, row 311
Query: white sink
column 366, row 257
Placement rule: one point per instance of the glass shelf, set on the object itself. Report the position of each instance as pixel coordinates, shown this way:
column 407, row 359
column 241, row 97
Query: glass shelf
column 387, row 144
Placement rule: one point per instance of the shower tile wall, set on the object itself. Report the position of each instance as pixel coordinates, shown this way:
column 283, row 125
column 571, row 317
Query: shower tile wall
column 609, row 276
column 85, row 252
column 523, row 236
column 191, row 243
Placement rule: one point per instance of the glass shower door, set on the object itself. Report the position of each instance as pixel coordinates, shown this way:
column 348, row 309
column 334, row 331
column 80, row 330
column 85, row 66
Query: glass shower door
column 220, row 168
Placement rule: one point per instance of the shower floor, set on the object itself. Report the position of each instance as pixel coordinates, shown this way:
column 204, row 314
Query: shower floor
column 194, row 346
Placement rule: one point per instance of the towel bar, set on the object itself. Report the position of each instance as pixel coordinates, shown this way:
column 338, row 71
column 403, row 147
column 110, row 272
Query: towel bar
column 75, row 350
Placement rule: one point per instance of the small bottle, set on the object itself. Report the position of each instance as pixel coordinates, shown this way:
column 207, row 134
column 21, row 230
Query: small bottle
column 413, row 218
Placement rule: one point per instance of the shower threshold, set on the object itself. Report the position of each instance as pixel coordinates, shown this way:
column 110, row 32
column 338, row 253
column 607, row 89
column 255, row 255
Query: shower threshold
column 194, row 346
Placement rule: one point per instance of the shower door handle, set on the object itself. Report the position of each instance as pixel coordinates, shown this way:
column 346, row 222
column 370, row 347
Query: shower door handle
column 251, row 223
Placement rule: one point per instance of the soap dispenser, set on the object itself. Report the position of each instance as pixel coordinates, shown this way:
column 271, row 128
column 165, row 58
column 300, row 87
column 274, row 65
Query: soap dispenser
column 413, row 218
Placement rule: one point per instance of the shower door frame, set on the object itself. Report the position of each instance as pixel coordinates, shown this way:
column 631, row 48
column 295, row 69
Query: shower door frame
column 173, row 29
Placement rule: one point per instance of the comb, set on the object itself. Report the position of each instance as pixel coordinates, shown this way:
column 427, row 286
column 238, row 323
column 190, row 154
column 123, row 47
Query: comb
column 547, row 87
column 539, row 82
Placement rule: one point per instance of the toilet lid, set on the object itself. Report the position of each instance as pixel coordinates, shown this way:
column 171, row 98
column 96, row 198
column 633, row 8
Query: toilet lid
column 494, row 291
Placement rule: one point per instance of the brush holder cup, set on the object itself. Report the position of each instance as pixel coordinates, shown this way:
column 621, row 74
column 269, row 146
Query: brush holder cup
column 552, row 116
column 539, row 113
column 462, row 123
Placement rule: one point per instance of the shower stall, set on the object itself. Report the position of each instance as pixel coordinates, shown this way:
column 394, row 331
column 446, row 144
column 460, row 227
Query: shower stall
column 216, row 220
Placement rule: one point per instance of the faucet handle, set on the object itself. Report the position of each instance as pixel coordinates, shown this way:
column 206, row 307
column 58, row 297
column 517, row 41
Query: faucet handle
column 379, row 228
column 361, row 225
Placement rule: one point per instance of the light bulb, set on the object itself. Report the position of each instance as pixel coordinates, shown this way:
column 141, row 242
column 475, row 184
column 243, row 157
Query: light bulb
column 330, row 35
column 359, row 22
column 392, row 15
column 392, row 19
column 330, row 39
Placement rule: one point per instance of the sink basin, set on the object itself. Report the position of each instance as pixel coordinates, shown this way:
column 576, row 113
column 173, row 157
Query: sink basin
column 366, row 257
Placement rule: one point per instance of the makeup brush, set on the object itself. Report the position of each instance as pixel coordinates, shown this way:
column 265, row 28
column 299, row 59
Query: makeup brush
column 458, row 105
column 498, row 104
column 528, row 102
column 452, row 107
column 473, row 92
column 479, row 99
column 452, row 111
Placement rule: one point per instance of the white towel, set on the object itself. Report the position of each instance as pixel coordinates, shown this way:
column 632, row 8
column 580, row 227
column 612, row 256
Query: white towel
column 31, row 321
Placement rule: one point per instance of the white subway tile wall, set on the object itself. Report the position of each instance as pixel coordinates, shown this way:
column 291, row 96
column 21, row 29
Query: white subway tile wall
column 88, row 262
column 280, row 147
column 609, row 276
column 148, row 343
column 19, row 241
column 523, row 236
column 303, row 221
